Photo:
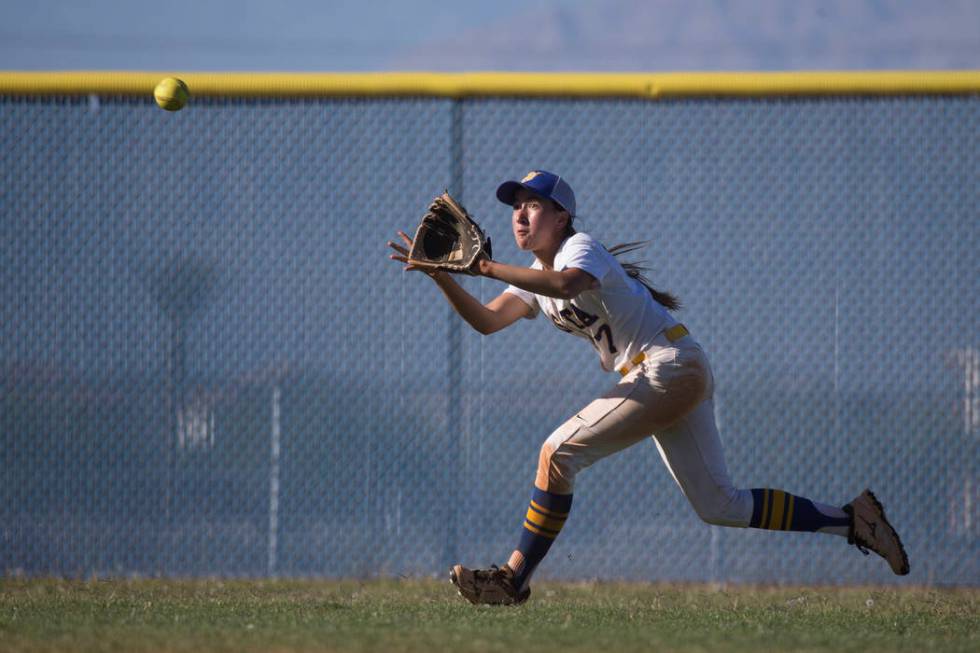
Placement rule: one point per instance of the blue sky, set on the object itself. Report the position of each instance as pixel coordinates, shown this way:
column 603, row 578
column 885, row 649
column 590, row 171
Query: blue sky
column 634, row 35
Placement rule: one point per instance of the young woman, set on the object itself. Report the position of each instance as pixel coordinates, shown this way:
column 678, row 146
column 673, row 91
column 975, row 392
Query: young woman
column 665, row 391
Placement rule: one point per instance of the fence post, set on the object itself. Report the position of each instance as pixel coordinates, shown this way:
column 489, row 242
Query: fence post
column 455, row 337
column 274, row 481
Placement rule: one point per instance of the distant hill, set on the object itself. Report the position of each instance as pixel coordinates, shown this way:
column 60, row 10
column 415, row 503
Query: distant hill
column 588, row 35
column 630, row 35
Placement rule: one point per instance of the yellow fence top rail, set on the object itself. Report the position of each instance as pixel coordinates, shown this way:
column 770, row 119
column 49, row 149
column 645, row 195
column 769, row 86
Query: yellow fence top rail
column 499, row 84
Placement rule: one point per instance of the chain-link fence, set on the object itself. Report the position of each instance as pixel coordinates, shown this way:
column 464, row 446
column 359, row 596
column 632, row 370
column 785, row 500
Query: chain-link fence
column 209, row 366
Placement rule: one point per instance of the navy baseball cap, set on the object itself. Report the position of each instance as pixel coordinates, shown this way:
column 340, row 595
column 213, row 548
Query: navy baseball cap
column 543, row 183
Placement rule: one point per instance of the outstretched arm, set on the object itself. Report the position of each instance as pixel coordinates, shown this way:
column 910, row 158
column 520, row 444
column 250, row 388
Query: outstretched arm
column 498, row 314
column 564, row 284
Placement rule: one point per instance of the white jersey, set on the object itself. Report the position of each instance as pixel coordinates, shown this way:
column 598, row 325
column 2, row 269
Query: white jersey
column 620, row 318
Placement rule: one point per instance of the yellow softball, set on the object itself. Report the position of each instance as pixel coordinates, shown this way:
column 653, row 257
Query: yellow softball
column 171, row 94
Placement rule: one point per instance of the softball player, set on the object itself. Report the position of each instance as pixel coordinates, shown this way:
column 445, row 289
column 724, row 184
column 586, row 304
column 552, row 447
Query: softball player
column 665, row 391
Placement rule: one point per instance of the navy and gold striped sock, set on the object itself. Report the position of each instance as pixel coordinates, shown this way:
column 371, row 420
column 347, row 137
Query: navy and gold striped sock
column 544, row 520
column 776, row 510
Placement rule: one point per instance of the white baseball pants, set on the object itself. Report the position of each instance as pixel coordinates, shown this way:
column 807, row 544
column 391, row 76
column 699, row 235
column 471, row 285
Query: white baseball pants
column 668, row 397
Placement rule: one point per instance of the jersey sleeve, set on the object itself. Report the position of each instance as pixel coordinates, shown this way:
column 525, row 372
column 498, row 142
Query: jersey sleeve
column 528, row 298
column 585, row 253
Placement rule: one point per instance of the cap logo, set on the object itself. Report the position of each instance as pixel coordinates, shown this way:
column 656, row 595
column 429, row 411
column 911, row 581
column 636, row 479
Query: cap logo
column 531, row 175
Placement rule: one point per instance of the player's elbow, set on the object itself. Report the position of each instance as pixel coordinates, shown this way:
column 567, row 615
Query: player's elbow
column 573, row 282
column 487, row 327
column 568, row 289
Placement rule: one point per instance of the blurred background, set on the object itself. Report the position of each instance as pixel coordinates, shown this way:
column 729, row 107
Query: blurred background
column 208, row 366
column 575, row 35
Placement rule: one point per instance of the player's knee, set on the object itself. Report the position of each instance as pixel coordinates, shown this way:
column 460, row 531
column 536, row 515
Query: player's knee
column 558, row 464
column 723, row 506
column 712, row 515
column 554, row 474
column 564, row 454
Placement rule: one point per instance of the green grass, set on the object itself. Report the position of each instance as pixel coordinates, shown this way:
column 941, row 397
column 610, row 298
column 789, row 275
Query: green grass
column 425, row 615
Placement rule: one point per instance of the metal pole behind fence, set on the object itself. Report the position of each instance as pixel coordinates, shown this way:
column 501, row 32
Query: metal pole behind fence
column 455, row 337
column 274, row 482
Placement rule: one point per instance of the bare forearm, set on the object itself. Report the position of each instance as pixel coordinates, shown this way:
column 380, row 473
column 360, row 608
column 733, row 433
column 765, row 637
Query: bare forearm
column 541, row 282
column 469, row 308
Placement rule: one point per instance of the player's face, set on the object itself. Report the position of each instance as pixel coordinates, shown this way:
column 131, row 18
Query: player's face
column 537, row 222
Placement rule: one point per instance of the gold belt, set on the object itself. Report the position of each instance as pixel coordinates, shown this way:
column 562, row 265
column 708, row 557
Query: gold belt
column 673, row 334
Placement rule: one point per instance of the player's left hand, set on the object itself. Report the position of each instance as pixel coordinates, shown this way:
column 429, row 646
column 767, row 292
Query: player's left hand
column 402, row 254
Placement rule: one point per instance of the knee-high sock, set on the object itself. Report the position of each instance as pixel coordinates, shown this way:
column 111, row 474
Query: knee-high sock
column 544, row 520
column 781, row 511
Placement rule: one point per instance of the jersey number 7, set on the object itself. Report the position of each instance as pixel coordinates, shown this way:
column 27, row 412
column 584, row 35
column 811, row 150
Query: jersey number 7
column 582, row 320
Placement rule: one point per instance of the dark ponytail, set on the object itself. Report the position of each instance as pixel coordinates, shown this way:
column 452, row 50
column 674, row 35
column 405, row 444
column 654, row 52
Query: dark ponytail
column 635, row 270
